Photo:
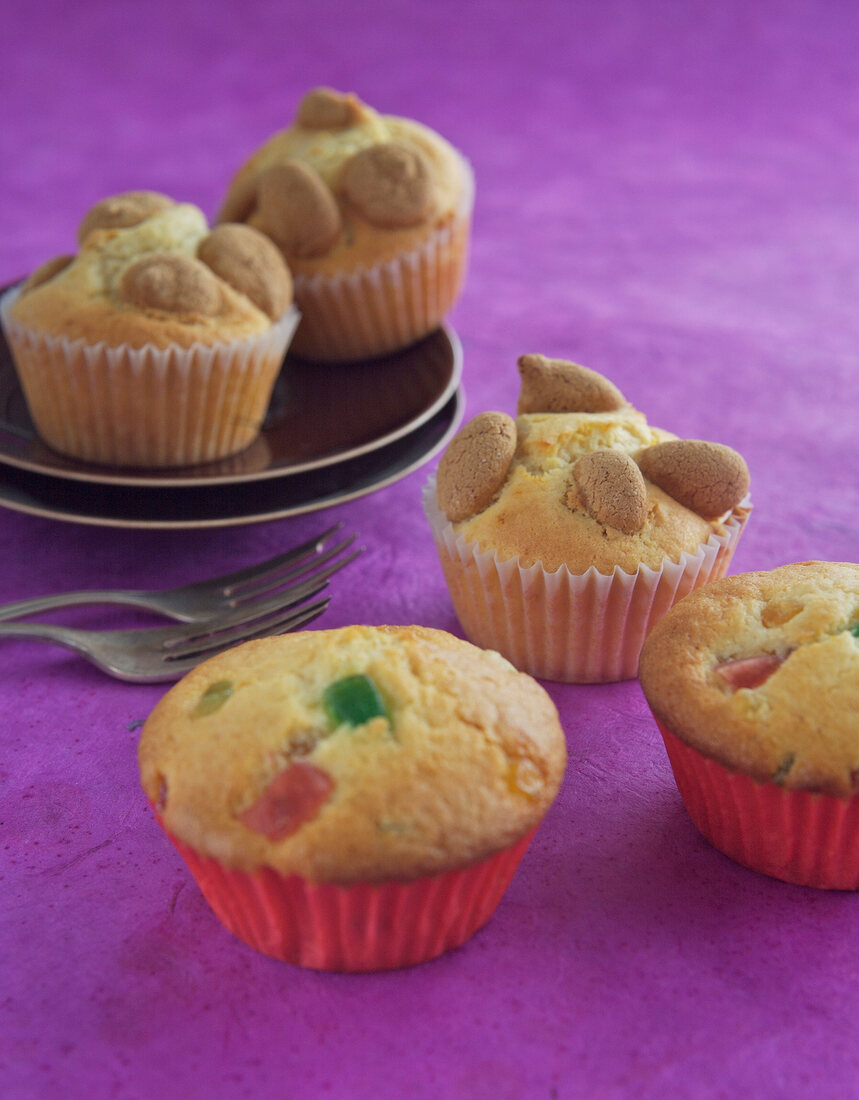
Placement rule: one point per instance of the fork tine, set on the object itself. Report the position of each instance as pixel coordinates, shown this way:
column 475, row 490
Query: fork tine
column 180, row 664
column 222, row 634
column 230, row 581
column 235, row 626
column 278, row 573
column 189, row 638
column 276, row 581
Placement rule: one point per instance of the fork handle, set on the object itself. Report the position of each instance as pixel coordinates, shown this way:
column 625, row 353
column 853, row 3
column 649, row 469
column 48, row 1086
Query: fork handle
column 21, row 608
column 44, row 632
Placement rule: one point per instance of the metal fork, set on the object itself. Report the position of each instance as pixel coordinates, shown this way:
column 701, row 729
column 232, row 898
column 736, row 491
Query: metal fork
column 156, row 654
column 260, row 601
column 207, row 599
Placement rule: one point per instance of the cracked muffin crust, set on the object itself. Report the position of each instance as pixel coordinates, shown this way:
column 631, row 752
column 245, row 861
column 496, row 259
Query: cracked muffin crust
column 150, row 271
column 588, row 482
column 372, row 213
column 440, row 756
column 761, row 672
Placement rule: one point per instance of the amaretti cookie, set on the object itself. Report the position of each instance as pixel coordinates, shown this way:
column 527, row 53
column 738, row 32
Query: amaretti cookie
column 565, row 533
column 754, row 683
column 159, row 342
column 353, row 799
column 372, row 213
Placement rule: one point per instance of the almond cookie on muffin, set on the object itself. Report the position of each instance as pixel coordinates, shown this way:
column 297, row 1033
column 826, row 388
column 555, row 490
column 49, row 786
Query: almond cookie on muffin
column 565, row 533
column 372, row 213
column 159, row 342
column 754, row 684
column 353, row 799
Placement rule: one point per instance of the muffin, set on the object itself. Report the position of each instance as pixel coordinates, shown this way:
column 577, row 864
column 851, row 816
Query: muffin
column 372, row 213
column 566, row 533
column 357, row 798
column 754, row 684
column 159, row 343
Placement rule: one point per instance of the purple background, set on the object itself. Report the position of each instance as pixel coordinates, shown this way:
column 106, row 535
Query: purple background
column 666, row 192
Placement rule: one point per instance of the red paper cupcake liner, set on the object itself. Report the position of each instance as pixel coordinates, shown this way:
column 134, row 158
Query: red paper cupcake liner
column 803, row 837
column 367, row 926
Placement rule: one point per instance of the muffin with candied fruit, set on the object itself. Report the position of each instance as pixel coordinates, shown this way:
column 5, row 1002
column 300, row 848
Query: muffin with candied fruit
column 159, row 342
column 565, row 533
column 357, row 798
column 372, row 213
column 754, row 684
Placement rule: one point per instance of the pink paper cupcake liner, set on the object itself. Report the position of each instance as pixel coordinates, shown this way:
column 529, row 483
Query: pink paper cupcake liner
column 586, row 628
column 362, row 927
column 802, row 837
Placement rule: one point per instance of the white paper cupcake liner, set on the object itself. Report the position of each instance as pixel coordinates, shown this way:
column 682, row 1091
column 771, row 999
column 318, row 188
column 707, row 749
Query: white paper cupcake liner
column 147, row 406
column 377, row 310
column 586, row 628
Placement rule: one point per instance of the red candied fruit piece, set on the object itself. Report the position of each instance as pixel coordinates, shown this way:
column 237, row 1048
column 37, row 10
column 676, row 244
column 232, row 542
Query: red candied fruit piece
column 749, row 672
column 290, row 799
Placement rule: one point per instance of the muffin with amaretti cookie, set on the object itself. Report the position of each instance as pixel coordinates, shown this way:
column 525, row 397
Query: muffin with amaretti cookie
column 565, row 533
column 159, row 342
column 372, row 213
column 357, row 798
column 754, row 684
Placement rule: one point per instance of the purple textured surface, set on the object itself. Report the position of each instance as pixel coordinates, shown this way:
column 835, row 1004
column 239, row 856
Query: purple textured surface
column 666, row 192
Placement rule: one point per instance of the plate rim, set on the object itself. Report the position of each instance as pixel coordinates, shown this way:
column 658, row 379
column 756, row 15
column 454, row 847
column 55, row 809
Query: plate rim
column 93, row 475
column 456, row 401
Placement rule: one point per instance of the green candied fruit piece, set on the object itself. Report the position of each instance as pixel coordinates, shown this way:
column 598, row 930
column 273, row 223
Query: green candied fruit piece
column 353, row 701
column 213, row 698
column 784, row 767
column 854, row 630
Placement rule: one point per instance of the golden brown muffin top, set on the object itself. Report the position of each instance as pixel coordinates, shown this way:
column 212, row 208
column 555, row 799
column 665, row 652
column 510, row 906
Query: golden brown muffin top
column 456, row 755
column 583, row 479
column 150, row 271
column 760, row 671
column 344, row 187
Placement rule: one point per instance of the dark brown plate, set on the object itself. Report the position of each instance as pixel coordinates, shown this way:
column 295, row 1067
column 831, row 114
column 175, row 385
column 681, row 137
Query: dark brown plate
column 228, row 505
column 320, row 415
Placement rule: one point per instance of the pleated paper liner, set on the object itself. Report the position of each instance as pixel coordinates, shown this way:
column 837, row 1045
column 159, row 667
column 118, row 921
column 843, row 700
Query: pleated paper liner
column 147, row 407
column 586, row 628
column 802, row 837
column 361, row 927
column 376, row 310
